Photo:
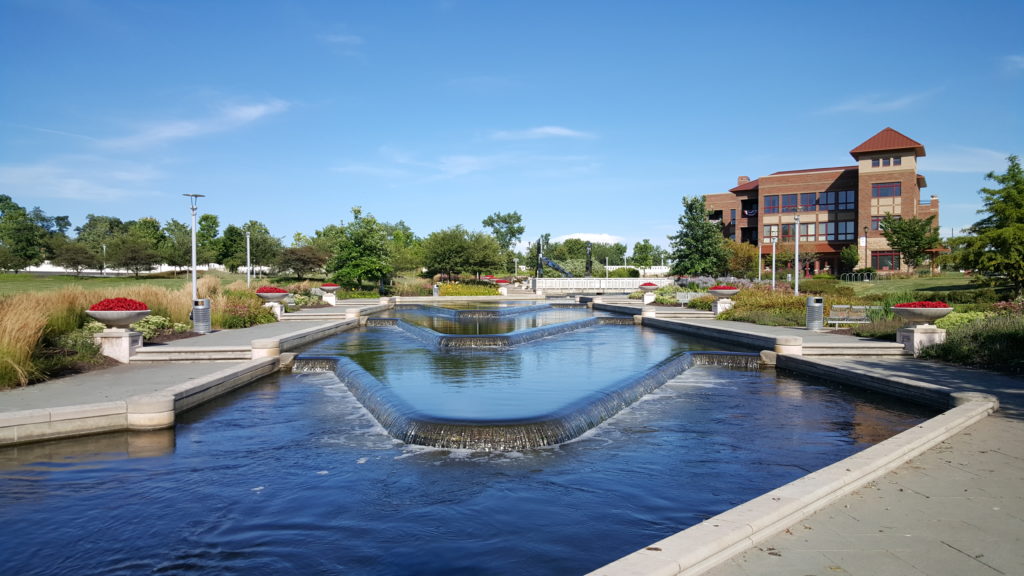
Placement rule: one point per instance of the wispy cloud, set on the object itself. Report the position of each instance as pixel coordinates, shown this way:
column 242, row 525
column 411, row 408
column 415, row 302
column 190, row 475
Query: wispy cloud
column 964, row 159
column 1014, row 62
column 80, row 178
column 343, row 39
column 876, row 103
column 227, row 118
column 541, row 132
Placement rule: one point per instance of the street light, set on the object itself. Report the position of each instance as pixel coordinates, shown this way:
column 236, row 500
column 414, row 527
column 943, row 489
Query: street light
column 248, row 260
column 193, row 198
column 865, row 247
column 774, row 240
column 796, row 256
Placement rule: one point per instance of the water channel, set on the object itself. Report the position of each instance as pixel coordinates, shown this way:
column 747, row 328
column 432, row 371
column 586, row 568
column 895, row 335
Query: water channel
column 293, row 475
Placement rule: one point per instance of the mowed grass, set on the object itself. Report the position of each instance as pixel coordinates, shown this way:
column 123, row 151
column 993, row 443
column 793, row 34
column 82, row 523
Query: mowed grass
column 22, row 282
column 944, row 282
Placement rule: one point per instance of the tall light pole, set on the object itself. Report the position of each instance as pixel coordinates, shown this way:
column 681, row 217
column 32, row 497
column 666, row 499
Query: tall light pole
column 248, row 265
column 774, row 240
column 866, row 263
column 193, row 198
column 796, row 256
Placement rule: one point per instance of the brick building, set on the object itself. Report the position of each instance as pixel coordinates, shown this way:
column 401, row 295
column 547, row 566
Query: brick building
column 831, row 208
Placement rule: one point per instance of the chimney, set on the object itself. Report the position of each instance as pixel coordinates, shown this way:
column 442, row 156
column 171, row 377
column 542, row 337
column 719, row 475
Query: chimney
column 742, row 180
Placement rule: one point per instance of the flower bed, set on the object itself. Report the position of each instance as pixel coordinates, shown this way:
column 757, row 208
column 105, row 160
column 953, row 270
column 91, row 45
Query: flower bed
column 118, row 305
column 922, row 304
column 723, row 287
column 329, row 285
column 270, row 290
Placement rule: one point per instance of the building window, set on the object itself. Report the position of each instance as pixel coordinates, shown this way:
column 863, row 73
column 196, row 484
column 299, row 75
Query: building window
column 771, row 231
column 876, row 222
column 891, row 160
column 897, row 161
column 787, row 233
column 846, row 200
column 732, row 215
column 876, row 162
column 886, row 189
column 789, row 202
column 771, row 204
column 845, row 230
column 807, row 232
column 886, row 260
column 808, row 202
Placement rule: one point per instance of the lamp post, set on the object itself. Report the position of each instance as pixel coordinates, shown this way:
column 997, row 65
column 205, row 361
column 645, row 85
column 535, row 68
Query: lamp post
column 796, row 256
column 248, row 260
column 104, row 269
column 774, row 240
column 865, row 247
column 193, row 198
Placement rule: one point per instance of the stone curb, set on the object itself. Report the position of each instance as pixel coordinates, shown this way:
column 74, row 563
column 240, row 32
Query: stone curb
column 713, row 541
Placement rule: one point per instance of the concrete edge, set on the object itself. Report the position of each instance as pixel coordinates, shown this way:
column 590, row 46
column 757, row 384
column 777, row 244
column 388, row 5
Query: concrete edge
column 269, row 347
column 701, row 547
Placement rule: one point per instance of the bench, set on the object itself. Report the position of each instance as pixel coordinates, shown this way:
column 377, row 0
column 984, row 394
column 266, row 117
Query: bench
column 847, row 314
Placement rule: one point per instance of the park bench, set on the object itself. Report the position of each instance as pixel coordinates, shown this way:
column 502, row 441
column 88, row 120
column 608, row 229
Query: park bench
column 847, row 314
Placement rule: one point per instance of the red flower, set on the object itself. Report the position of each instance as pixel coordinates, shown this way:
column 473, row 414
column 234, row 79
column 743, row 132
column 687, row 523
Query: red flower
column 723, row 287
column 922, row 304
column 118, row 305
column 501, row 281
column 329, row 284
column 270, row 290
column 648, row 284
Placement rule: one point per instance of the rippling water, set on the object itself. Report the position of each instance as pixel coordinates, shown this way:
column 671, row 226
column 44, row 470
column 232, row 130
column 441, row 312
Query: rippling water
column 290, row 475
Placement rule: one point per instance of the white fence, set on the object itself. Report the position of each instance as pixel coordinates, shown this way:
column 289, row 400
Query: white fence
column 593, row 285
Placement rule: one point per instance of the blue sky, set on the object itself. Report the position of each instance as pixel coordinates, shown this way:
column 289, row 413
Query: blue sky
column 586, row 117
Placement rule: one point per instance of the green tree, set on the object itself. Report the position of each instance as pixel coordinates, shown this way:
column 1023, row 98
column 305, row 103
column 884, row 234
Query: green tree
column 507, row 229
column 97, row 232
column 446, row 251
column 74, row 256
column 176, row 244
column 207, row 241
column 302, row 260
column 643, row 254
column 698, row 249
column 849, row 257
column 263, row 247
column 22, row 240
column 996, row 250
column 483, row 253
column 912, row 237
column 231, row 248
column 134, row 252
column 361, row 251
column 742, row 260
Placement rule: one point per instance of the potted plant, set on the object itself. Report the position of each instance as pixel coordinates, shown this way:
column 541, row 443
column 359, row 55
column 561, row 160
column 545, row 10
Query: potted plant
column 923, row 312
column 723, row 291
column 118, row 312
column 271, row 293
column 329, row 287
column 648, row 287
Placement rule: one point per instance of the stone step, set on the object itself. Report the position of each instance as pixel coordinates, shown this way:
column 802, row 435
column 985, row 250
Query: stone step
column 191, row 353
column 861, row 349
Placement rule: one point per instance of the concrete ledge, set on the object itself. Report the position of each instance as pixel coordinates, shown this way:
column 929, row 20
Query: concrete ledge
column 916, row 391
column 195, row 392
column 43, row 424
column 711, row 542
column 730, row 335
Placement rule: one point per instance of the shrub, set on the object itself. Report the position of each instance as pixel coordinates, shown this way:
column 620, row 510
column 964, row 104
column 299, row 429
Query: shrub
column 957, row 319
column 624, row 273
column 154, row 325
column 827, row 287
column 993, row 343
column 239, row 309
column 481, row 289
column 764, row 317
column 882, row 328
column 701, row 303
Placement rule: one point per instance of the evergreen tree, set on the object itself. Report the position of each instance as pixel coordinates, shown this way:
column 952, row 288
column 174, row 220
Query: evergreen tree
column 997, row 248
column 698, row 249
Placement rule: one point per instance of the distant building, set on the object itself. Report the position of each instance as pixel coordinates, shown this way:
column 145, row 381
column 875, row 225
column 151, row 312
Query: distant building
column 835, row 207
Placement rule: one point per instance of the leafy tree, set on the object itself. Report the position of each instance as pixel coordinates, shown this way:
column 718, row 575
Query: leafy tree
column 508, row 229
column 176, row 244
column 643, row 254
column 849, row 257
column 74, row 256
column 207, row 242
column 133, row 252
column 996, row 250
column 614, row 254
column 263, row 248
column 912, row 237
column 231, row 248
column 97, row 232
column 404, row 246
column 21, row 238
column 698, row 249
column 361, row 251
column 302, row 260
column 483, row 253
column 445, row 251
column 742, row 259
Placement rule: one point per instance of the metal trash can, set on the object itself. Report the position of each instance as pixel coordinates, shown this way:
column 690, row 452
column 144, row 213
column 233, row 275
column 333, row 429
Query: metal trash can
column 437, row 290
column 201, row 315
column 815, row 313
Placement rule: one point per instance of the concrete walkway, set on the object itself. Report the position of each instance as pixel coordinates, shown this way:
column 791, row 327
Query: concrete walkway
column 956, row 509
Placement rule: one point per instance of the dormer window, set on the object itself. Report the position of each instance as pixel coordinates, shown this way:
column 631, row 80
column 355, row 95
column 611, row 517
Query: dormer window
column 886, row 161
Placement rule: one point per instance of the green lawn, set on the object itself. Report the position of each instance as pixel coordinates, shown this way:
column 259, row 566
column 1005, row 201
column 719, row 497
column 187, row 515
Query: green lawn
column 23, row 282
column 945, row 282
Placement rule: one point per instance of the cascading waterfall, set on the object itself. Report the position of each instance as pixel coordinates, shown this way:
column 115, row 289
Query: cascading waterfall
column 405, row 423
